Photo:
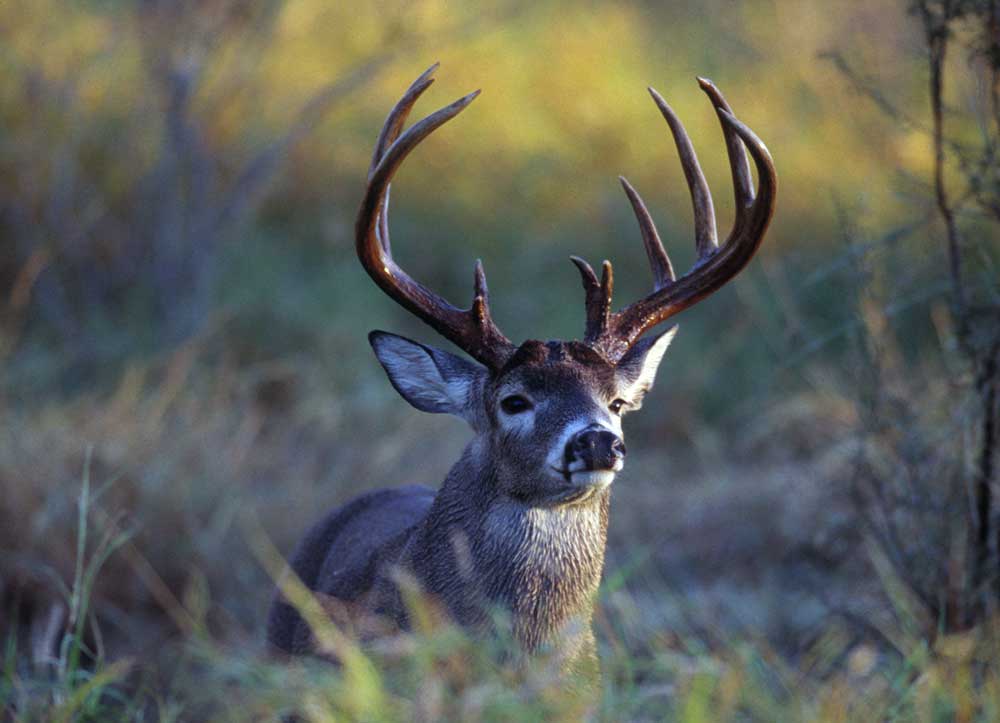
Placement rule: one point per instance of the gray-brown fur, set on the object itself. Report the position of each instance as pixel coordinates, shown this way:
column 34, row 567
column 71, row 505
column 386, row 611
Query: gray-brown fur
column 338, row 555
column 503, row 532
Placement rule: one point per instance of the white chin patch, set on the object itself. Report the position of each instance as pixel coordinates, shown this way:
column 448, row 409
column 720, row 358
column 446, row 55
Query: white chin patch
column 599, row 478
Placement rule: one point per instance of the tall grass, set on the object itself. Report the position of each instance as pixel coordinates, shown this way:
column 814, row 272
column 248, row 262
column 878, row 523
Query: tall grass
column 65, row 674
column 438, row 673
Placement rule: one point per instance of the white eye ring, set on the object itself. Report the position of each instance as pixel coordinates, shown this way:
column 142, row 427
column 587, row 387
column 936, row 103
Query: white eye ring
column 617, row 406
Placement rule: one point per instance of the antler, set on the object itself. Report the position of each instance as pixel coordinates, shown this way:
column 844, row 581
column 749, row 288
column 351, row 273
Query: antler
column 470, row 329
column 613, row 334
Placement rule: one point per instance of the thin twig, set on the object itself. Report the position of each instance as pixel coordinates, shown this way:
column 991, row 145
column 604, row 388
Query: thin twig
column 936, row 33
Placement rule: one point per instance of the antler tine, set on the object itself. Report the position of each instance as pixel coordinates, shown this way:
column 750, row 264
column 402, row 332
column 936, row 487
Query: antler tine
column 706, row 238
column 597, row 298
column 718, row 265
column 738, row 161
column 758, row 212
column 659, row 261
column 592, row 302
column 397, row 116
column 390, row 132
column 607, row 286
column 471, row 329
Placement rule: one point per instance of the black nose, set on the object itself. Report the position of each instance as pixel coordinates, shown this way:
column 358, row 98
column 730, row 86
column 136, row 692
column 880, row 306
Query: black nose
column 598, row 449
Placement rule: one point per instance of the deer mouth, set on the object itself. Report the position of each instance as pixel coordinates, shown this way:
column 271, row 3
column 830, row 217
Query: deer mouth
column 592, row 478
column 582, row 478
column 580, row 488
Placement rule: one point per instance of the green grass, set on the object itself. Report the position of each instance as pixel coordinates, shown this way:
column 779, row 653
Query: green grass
column 437, row 672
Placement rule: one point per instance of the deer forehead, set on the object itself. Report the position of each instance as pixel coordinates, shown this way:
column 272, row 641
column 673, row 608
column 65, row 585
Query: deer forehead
column 556, row 368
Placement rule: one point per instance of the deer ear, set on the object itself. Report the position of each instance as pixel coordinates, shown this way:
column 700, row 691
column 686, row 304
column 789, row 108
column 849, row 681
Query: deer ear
column 637, row 369
column 430, row 379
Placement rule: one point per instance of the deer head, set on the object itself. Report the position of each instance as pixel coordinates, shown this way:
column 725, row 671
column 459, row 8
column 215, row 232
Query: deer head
column 547, row 415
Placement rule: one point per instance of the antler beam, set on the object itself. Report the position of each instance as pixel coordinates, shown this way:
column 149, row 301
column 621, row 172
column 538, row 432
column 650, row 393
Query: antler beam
column 613, row 334
column 470, row 329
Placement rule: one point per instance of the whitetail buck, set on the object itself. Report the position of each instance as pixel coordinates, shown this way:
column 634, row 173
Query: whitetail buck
column 520, row 522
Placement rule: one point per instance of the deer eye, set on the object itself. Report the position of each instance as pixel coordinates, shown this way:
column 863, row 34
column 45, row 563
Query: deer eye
column 515, row 404
column 617, row 406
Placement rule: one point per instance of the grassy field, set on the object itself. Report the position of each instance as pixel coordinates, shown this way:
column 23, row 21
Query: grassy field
column 185, row 384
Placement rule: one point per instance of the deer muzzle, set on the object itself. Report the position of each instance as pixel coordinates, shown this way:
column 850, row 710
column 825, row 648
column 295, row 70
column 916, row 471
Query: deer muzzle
column 595, row 450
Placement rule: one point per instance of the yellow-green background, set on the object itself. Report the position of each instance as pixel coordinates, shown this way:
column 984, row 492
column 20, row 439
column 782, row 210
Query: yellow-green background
column 268, row 405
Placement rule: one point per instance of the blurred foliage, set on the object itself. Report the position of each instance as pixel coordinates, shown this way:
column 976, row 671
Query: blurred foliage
column 524, row 178
column 179, row 295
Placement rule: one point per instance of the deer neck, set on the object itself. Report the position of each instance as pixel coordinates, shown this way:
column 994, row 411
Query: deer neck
column 479, row 549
